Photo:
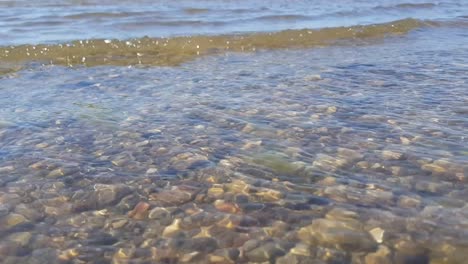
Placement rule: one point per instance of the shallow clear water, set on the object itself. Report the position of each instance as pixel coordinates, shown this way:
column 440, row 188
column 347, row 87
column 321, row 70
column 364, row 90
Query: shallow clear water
column 352, row 150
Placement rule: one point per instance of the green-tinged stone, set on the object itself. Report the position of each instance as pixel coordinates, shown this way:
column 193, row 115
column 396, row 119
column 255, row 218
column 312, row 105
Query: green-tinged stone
column 278, row 163
column 13, row 219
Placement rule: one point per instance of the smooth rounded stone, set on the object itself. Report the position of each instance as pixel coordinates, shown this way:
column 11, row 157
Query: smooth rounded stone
column 328, row 181
column 101, row 196
column 152, row 171
column 216, row 191
column 405, row 140
column 252, row 144
column 177, row 195
column 163, row 215
column 63, row 171
column 248, row 128
column 329, row 163
column 13, row 220
column 117, row 223
column 392, row 155
column 433, row 187
column 31, row 212
column 301, row 249
column 350, row 154
column 434, row 168
column 406, row 201
column 341, row 214
column 276, row 229
column 140, row 211
column 226, row 207
column 398, row 171
column 381, row 256
column 344, row 234
column 189, row 160
column 128, row 202
column 6, row 169
column 268, row 251
column 268, row 195
column 201, row 219
column 10, row 199
column 331, row 109
column 363, row 164
column 378, row 196
column 225, row 255
column 20, row 238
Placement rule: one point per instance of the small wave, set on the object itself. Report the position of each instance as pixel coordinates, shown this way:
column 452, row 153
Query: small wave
column 192, row 11
column 282, row 17
column 407, row 6
column 174, row 51
column 92, row 15
column 175, row 23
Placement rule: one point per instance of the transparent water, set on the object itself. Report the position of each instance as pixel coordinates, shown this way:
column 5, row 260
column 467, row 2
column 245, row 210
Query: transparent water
column 351, row 151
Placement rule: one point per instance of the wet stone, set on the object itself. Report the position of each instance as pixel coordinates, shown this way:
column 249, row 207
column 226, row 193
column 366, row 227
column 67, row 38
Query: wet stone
column 350, row 154
column 329, row 163
column 161, row 214
column 20, row 238
column 434, row 168
column 410, row 252
column 176, row 196
column 381, row 256
column 347, row 235
column 140, row 211
column 332, row 256
column 101, row 196
column 64, row 171
column 392, row 155
column 409, row 201
column 44, row 255
column 189, row 160
column 266, row 252
column 433, row 187
column 378, row 234
column 225, row 255
column 13, row 220
column 341, row 213
column 118, row 223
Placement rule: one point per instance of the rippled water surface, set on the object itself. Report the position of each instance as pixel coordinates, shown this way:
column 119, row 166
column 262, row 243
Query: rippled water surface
column 234, row 132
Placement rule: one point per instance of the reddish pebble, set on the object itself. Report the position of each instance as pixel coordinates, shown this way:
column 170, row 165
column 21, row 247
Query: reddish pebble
column 140, row 211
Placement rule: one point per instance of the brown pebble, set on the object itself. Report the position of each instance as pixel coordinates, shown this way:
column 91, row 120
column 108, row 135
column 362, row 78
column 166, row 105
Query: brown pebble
column 140, row 211
column 226, row 207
